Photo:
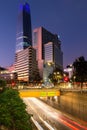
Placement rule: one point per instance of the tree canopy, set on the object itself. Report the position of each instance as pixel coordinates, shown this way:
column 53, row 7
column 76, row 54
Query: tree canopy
column 80, row 70
column 13, row 115
column 56, row 76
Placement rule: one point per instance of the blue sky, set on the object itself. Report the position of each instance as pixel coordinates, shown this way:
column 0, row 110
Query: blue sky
column 67, row 18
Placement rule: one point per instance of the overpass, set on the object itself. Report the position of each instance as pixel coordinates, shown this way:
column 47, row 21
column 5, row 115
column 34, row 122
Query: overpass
column 39, row 92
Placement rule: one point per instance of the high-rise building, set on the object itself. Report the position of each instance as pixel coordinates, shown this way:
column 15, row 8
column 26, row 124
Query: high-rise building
column 26, row 64
column 53, row 59
column 25, row 57
column 40, row 37
column 53, row 54
column 24, row 33
column 48, row 49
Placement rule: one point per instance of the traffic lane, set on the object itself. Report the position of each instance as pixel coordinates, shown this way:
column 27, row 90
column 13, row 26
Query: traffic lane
column 36, row 119
column 39, row 116
column 55, row 114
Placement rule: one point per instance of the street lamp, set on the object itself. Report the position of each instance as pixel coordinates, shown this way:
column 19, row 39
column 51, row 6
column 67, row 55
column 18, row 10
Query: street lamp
column 74, row 80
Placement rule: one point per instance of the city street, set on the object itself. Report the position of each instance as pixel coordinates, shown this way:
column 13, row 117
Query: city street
column 47, row 118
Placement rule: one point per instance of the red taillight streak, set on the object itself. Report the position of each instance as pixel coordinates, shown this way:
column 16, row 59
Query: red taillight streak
column 74, row 123
column 67, row 124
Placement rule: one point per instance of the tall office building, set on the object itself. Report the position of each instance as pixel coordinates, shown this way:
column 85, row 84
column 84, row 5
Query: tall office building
column 53, row 54
column 25, row 57
column 26, row 64
column 53, row 59
column 48, row 49
column 24, row 33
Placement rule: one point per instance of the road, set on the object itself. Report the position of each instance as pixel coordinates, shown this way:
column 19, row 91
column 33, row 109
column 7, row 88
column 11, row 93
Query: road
column 47, row 118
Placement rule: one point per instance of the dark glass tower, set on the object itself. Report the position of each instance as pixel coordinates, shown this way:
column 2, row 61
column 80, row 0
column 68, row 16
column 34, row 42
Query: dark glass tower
column 24, row 32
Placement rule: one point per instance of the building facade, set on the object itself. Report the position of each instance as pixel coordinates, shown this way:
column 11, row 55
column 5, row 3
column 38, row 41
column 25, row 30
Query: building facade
column 26, row 64
column 8, row 74
column 48, row 49
column 24, row 32
column 53, row 54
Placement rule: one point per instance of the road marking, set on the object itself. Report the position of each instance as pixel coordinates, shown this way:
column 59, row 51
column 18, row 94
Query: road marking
column 37, row 124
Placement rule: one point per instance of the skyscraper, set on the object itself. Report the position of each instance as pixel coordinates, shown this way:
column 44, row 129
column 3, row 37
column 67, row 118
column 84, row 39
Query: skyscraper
column 48, row 49
column 25, row 57
column 24, row 33
column 53, row 59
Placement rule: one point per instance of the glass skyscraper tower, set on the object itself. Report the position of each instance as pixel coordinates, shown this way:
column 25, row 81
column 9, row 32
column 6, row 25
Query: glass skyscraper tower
column 24, row 33
column 25, row 57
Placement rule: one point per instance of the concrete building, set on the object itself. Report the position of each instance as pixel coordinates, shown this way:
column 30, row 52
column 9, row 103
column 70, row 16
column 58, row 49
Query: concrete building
column 8, row 73
column 26, row 64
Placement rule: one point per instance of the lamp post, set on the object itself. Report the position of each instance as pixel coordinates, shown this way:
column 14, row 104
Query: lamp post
column 74, row 80
column 58, row 76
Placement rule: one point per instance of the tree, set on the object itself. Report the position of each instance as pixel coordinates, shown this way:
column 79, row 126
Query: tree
column 80, row 70
column 2, row 85
column 56, row 76
column 35, row 78
column 12, row 111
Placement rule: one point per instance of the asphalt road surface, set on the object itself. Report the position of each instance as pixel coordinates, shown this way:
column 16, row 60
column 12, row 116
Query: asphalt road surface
column 47, row 118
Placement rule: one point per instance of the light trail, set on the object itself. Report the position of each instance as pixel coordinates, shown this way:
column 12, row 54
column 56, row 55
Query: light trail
column 36, row 123
column 68, row 122
column 75, row 123
column 55, row 115
column 49, row 126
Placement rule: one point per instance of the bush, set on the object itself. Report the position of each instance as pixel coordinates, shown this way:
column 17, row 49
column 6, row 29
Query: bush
column 12, row 111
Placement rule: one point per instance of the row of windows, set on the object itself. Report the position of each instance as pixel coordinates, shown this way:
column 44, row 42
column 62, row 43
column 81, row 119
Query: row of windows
column 21, row 37
column 25, row 76
column 25, row 58
column 26, row 64
column 22, row 69
column 22, row 66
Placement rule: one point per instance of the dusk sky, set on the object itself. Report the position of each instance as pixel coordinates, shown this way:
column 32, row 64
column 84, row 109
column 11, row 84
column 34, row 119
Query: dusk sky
column 67, row 18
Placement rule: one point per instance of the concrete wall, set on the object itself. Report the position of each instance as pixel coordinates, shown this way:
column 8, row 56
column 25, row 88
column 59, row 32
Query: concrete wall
column 73, row 103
